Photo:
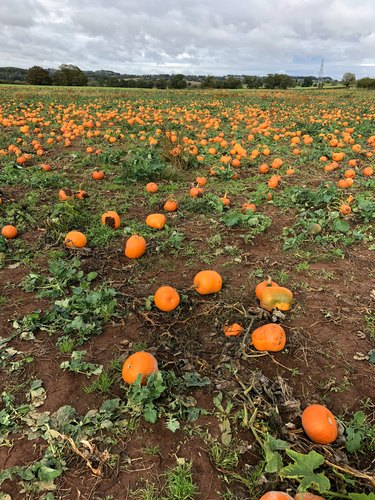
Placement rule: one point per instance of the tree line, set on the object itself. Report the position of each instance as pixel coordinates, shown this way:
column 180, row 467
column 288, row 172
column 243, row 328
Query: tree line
column 70, row 75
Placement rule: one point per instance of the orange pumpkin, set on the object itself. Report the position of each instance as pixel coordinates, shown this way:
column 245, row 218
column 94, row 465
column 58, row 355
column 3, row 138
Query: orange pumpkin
column 248, row 206
column 170, row 205
column 276, row 495
column 135, row 246
column 201, row 181
column 111, row 219
column 166, row 298
column 195, row 192
column 152, row 187
column 65, row 194
column 140, row 363
column 264, row 168
column 368, row 172
column 345, row 209
column 270, row 337
column 319, row 424
column 225, row 200
column 46, row 167
column 81, row 194
column 233, row 330
column 156, row 221
column 276, row 297
column 75, row 239
column 264, row 284
column 9, row 232
column 206, row 282
column 98, row 175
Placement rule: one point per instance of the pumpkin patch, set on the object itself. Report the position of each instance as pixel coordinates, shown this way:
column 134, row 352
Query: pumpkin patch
column 182, row 275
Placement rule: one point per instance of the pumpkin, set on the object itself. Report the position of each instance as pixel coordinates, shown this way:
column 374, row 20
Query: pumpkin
column 270, row 337
column 264, row 168
column 277, row 163
column 206, row 282
column 248, row 206
column 156, row 221
column 111, row 219
column 273, row 182
column 9, row 232
column 98, row 175
column 195, row 192
column 152, row 187
column 233, row 330
column 65, row 194
column 46, row 167
column 319, row 424
column 343, row 183
column 201, row 181
column 349, row 174
column 314, row 228
column 170, row 205
column 81, row 194
column 368, row 172
column 75, row 239
column 140, row 363
column 276, row 495
column 277, row 297
column 166, row 298
column 345, row 209
column 135, row 246
column 225, row 200
column 264, row 284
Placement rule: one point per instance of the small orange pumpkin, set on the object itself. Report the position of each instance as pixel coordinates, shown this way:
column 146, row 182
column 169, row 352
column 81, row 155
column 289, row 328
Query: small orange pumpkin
column 195, row 192
column 233, row 330
column 65, row 194
column 75, row 239
column 170, row 205
column 9, row 232
column 166, row 298
column 201, row 181
column 319, row 424
column 307, row 496
column 140, row 363
column 81, row 194
column 98, row 175
column 152, row 187
column 345, row 209
column 206, row 282
column 111, row 219
column 156, row 221
column 270, row 337
column 248, row 206
column 135, row 247
column 46, row 167
column 368, row 171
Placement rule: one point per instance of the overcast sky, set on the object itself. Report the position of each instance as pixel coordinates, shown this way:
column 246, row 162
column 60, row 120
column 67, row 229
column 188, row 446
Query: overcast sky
column 215, row 37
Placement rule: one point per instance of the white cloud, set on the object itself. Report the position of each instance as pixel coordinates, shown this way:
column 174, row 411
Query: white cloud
column 207, row 36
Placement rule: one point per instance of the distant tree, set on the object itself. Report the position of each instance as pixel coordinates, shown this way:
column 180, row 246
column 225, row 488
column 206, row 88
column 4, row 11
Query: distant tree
column 208, row 82
column 38, row 76
column 253, row 82
column 177, row 82
column 307, row 81
column 69, row 75
column 232, row 83
column 278, row 81
column 348, row 79
column 161, row 83
column 366, row 83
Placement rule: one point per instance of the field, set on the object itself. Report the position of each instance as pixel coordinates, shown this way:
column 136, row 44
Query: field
column 220, row 419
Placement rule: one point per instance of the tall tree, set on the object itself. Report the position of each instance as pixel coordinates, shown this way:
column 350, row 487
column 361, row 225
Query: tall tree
column 253, row 82
column 69, row 75
column 348, row 79
column 38, row 76
column 177, row 82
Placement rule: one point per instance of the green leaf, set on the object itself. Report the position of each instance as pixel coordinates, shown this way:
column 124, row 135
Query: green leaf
column 195, row 380
column 303, row 471
column 362, row 496
column 274, row 460
column 173, row 424
column 342, row 226
column 149, row 413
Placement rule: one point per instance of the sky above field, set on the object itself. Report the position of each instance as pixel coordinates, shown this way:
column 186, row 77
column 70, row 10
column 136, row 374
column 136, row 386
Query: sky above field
column 216, row 37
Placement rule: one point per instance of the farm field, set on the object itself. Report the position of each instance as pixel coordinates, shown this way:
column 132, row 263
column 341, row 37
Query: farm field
column 249, row 184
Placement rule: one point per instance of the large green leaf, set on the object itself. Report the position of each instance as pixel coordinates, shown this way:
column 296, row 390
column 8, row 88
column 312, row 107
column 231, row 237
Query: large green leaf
column 303, row 471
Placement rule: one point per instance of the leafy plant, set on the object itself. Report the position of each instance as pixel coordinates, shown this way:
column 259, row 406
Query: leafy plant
column 359, row 433
column 303, row 470
column 78, row 365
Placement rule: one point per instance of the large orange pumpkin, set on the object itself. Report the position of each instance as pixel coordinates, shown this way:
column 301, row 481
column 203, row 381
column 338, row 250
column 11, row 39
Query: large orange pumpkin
column 170, row 205
column 98, row 175
column 75, row 239
column 140, row 363
column 270, row 337
column 152, row 187
column 135, row 246
column 307, row 496
column 166, row 298
column 206, row 282
column 319, row 424
column 156, row 221
column 111, row 219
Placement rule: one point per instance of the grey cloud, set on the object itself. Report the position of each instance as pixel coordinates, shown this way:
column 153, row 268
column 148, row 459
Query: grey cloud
column 207, row 36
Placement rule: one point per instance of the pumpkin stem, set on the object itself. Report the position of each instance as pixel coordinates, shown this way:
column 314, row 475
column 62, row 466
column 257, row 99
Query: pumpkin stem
column 269, row 280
